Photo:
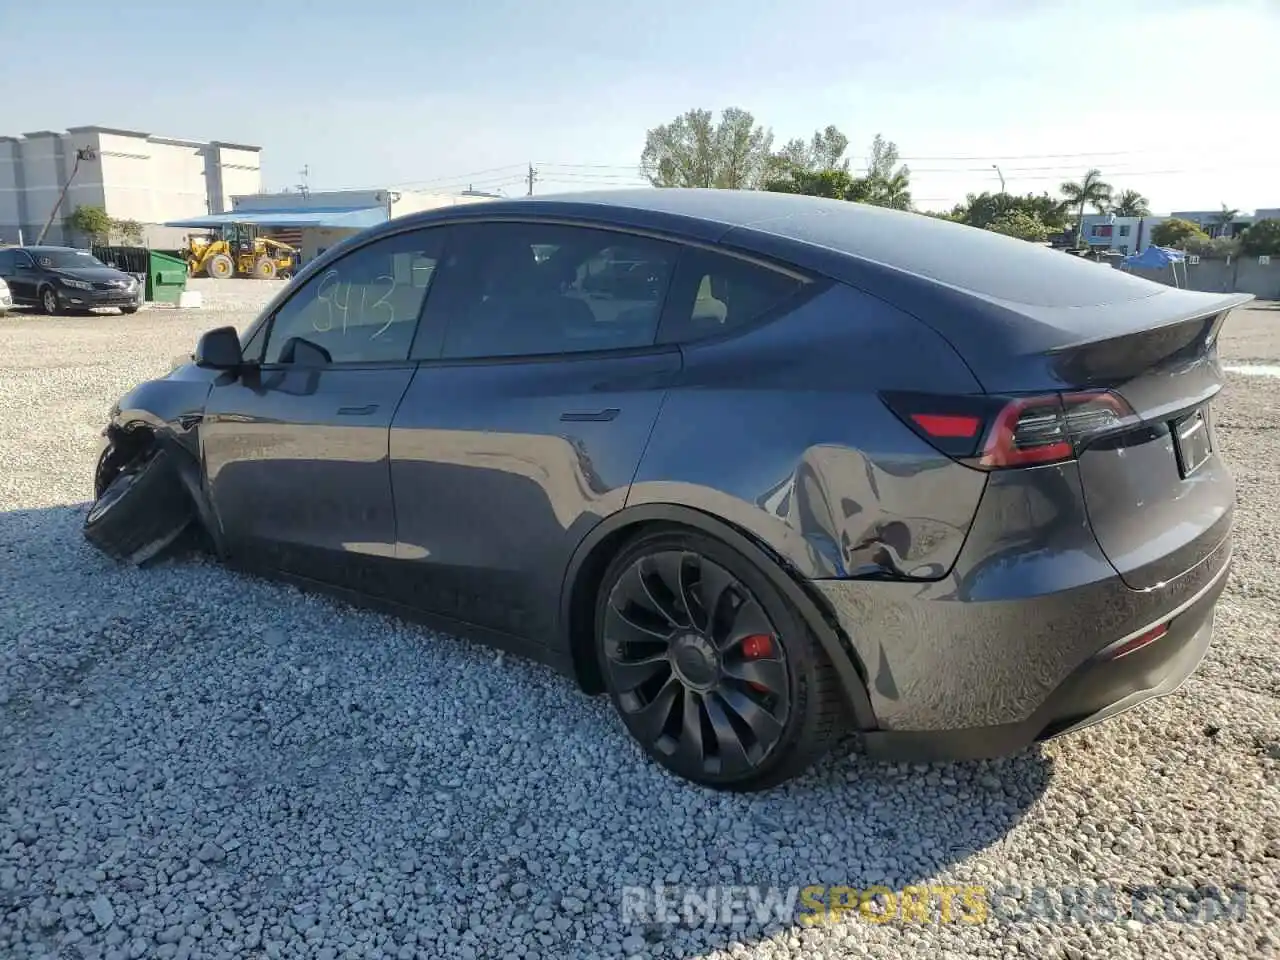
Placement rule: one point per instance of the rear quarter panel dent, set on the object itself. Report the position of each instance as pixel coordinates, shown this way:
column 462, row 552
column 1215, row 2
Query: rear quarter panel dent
column 781, row 432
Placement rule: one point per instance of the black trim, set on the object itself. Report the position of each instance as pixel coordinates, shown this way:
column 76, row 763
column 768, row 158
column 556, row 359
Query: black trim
column 557, row 660
column 850, row 670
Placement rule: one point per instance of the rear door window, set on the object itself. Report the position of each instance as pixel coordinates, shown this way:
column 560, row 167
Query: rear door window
column 534, row 289
column 714, row 294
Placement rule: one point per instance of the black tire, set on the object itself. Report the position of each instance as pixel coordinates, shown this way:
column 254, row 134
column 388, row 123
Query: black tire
column 128, row 310
column 741, row 697
column 140, row 510
column 49, row 301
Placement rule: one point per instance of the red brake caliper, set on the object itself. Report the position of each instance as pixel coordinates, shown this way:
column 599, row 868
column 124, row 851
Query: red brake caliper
column 758, row 646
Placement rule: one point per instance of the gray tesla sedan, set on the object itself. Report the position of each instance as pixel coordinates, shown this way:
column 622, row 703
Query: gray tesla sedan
column 765, row 469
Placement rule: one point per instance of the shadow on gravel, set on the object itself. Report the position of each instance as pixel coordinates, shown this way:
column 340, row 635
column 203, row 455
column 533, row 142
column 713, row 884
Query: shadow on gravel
column 197, row 758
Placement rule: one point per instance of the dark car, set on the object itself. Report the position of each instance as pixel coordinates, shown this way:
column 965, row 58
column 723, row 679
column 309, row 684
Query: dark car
column 812, row 468
column 58, row 279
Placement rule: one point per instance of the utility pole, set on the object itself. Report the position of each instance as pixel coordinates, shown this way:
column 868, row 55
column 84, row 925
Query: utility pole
column 84, row 153
column 303, row 187
column 996, row 168
column 532, row 177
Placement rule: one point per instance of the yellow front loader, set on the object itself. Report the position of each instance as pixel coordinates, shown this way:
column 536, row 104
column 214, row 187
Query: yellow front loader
column 238, row 251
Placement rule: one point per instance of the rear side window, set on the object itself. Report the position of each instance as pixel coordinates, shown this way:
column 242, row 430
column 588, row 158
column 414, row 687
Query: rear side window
column 525, row 289
column 714, row 294
column 6, row 262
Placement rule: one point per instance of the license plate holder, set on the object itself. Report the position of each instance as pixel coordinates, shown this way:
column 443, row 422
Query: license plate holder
column 1191, row 442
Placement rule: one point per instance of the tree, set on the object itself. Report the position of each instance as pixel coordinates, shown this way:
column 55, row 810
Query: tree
column 695, row 151
column 1261, row 239
column 888, row 185
column 1020, row 224
column 93, row 222
column 1224, row 219
column 1130, row 203
column 1091, row 191
column 127, row 231
column 982, row 209
column 825, row 151
column 1212, row 248
column 1175, row 232
column 833, row 184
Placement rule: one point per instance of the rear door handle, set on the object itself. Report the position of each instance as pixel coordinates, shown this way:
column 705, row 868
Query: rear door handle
column 590, row 416
column 364, row 411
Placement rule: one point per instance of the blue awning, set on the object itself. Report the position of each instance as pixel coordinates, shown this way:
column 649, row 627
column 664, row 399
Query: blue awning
column 351, row 218
column 1154, row 257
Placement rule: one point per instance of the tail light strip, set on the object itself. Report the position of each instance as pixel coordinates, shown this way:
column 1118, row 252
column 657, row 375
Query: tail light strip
column 997, row 433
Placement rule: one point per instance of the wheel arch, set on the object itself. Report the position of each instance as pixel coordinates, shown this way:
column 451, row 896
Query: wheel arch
column 592, row 557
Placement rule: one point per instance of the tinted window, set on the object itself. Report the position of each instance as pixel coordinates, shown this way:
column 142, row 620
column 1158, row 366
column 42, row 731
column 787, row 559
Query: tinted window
column 715, row 293
column 512, row 289
column 66, row 259
column 364, row 307
column 6, row 261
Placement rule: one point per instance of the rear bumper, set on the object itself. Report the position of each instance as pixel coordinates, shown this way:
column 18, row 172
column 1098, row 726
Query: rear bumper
column 1008, row 649
column 1099, row 689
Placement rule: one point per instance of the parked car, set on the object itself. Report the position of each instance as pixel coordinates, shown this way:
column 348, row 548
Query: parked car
column 59, row 279
column 829, row 468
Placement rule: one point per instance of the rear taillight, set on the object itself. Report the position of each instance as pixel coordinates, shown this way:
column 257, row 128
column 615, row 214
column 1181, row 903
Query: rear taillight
column 996, row 433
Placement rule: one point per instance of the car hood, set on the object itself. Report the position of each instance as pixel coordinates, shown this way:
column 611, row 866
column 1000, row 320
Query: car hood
column 93, row 274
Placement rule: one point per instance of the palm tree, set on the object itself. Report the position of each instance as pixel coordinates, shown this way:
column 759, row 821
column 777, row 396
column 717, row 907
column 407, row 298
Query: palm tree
column 1224, row 220
column 1091, row 191
column 1130, row 203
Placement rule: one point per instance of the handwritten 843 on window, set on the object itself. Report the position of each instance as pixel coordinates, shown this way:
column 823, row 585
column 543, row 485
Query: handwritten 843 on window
column 342, row 304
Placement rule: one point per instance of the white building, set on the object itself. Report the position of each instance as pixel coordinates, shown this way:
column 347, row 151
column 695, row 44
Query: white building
column 315, row 221
column 131, row 175
column 1124, row 235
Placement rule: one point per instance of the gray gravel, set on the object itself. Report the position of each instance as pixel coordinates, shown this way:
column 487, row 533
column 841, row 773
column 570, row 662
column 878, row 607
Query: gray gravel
column 199, row 764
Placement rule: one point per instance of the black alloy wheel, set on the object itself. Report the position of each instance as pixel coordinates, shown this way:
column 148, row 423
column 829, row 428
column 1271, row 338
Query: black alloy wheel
column 709, row 683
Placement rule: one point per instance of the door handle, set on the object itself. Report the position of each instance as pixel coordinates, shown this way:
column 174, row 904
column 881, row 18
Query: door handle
column 364, row 411
column 586, row 416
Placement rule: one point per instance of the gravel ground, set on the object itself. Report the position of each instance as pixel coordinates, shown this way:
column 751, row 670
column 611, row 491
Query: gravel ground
column 198, row 764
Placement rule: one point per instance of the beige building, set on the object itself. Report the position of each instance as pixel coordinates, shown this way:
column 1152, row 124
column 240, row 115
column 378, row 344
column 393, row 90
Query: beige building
column 131, row 175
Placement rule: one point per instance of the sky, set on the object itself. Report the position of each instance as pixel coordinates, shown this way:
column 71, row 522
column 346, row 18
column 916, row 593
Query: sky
column 1177, row 99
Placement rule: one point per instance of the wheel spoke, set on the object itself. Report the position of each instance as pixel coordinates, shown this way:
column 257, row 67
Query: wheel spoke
column 748, row 620
column 622, row 629
column 768, row 673
column 763, row 724
column 732, row 753
column 650, row 720
column 662, row 595
column 630, row 674
column 713, row 583
column 691, row 750
column 669, row 569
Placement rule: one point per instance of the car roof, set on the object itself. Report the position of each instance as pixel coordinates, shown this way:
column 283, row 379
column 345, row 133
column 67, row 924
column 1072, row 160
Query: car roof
column 797, row 228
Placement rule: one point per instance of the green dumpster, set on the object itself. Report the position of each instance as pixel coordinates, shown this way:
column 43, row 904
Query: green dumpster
column 166, row 278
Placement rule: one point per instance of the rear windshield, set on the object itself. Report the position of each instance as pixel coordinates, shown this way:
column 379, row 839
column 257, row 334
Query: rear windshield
column 975, row 260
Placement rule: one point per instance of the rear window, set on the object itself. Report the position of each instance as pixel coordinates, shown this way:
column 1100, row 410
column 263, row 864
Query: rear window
column 970, row 259
column 714, row 294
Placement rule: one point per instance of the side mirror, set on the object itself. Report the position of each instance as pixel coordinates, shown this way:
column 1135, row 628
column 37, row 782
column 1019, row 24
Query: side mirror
column 219, row 349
